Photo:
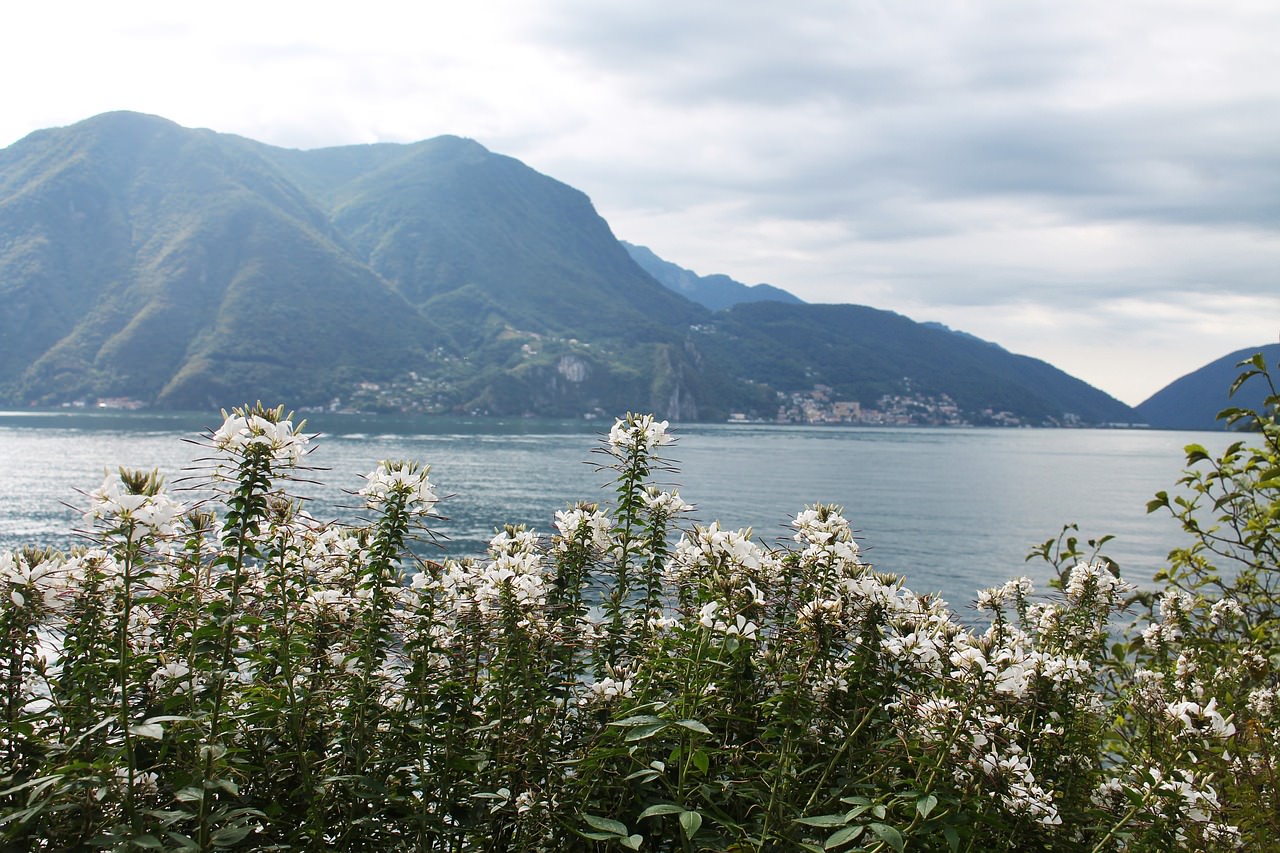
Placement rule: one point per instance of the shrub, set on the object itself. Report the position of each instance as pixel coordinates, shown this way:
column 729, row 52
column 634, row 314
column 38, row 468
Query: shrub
column 237, row 674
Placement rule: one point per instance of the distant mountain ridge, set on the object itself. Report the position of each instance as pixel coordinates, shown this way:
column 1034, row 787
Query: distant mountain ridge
column 189, row 269
column 713, row 291
column 1193, row 401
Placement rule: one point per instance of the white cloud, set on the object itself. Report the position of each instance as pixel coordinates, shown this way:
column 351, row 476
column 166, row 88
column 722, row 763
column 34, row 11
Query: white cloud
column 1092, row 183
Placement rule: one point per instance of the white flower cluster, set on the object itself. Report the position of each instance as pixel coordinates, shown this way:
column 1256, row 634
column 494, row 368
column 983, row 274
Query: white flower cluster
column 1225, row 611
column 1177, row 796
column 714, row 616
column 608, row 689
column 242, row 430
column 515, row 569
column 712, row 547
column 25, row 579
column 667, row 504
column 115, row 503
column 1095, row 582
column 1019, row 791
column 584, row 523
column 400, row 479
column 1204, row 720
column 637, row 433
column 1263, row 701
column 918, row 650
column 827, row 538
column 1015, row 591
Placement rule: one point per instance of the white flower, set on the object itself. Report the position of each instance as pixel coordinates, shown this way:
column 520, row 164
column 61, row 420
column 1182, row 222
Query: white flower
column 1224, row 610
column 119, row 501
column 736, row 626
column 820, row 611
column 585, row 521
column 606, row 690
column 917, row 649
column 243, row 429
column 668, row 504
column 1262, row 701
column 1095, row 580
column 1200, row 720
column 637, row 433
column 400, row 479
column 714, row 548
column 995, row 598
column 1175, row 605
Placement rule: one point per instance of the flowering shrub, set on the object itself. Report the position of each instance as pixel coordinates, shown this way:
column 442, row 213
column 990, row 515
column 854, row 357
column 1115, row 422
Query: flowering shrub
column 238, row 675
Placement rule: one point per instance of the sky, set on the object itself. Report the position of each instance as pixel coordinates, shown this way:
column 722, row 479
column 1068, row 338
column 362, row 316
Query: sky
column 1093, row 183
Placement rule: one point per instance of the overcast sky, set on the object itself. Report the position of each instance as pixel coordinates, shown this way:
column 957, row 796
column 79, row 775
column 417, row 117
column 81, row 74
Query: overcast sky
column 1094, row 183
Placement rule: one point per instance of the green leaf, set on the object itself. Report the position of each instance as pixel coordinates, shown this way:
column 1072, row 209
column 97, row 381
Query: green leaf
column 644, row 732
column 694, row 726
column 605, row 824
column 151, row 730
column 843, row 836
column 661, row 809
column 700, row 760
column 639, row 720
column 1196, row 453
column 189, row 795
column 826, row 820
column 229, row 836
column 926, row 804
column 690, row 822
column 889, row 835
column 632, row 842
column 182, row 842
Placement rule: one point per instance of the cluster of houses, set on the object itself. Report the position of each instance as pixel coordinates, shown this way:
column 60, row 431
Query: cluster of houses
column 819, row 406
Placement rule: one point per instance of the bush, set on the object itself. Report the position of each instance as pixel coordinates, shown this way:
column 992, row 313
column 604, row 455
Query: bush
column 239, row 675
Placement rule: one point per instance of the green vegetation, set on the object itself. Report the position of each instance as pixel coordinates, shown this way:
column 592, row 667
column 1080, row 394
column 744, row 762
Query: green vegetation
column 240, row 675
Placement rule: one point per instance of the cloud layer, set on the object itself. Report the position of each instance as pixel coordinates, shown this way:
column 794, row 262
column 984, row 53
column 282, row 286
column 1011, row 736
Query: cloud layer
column 1096, row 183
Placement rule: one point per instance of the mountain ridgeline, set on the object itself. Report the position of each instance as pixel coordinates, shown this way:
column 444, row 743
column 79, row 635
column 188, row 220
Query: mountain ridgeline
column 178, row 268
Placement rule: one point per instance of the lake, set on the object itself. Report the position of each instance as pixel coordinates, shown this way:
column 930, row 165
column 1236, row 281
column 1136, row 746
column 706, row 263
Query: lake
column 954, row 510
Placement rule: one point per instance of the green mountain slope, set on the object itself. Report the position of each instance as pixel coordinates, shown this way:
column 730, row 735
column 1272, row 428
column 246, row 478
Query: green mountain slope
column 187, row 268
column 1193, row 401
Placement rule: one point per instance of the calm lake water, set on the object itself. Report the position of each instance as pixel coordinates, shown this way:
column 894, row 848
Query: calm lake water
column 952, row 509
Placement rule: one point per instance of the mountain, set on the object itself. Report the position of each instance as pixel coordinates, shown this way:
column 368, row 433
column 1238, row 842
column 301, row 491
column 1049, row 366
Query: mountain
column 1193, row 401
column 713, row 291
column 144, row 260
column 186, row 269
column 864, row 354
